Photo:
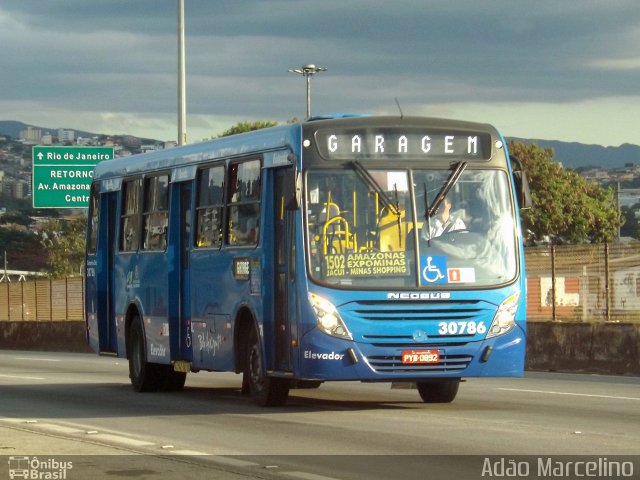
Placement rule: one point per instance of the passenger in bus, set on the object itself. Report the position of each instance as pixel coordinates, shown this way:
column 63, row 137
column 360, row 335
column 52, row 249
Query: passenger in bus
column 247, row 230
column 444, row 221
column 251, row 231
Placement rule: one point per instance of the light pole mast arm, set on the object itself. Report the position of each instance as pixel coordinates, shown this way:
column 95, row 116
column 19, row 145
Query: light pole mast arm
column 307, row 72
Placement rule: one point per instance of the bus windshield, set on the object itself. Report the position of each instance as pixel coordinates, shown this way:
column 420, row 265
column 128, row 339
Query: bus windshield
column 410, row 228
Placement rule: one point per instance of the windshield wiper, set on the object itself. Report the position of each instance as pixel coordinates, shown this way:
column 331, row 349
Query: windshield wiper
column 448, row 185
column 366, row 176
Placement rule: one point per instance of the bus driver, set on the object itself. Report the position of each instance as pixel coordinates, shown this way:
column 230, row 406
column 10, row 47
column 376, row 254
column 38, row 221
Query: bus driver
column 443, row 221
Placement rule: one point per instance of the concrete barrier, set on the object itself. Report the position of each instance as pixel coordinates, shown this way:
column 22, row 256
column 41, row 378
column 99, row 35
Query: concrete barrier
column 43, row 336
column 606, row 348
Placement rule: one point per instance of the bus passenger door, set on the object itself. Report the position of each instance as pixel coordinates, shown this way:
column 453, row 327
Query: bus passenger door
column 185, row 284
column 179, row 278
column 108, row 338
column 284, row 269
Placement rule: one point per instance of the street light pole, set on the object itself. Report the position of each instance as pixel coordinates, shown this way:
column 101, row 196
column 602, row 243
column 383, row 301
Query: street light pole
column 308, row 71
column 182, row 104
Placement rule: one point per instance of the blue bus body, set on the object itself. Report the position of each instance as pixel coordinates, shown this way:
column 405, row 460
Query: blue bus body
column 337, row 277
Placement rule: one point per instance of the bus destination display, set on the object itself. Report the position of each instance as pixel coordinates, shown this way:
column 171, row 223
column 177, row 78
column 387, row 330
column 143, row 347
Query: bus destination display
column 406, row 144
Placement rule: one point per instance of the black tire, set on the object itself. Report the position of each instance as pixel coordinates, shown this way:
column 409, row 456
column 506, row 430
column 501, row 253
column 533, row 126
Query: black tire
column 265, row 391
column 174, row 381
column 444, row 391
column 308, row 384
column 145, row 376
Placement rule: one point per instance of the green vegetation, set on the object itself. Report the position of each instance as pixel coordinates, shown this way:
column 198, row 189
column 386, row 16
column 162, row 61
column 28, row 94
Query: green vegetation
column 64, row 241
column 567, row 208
column 243, row 127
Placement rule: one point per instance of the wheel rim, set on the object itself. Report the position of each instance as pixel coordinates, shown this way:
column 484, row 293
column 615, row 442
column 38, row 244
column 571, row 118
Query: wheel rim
column 255, row 369
column 137, row 356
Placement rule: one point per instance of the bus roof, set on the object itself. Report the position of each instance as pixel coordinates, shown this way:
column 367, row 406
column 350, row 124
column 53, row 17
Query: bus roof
column 268, row 139
column 274, row 138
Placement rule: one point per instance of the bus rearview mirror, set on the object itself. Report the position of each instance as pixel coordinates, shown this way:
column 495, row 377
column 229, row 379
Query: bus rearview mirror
column 293, row 192
column 521, row 182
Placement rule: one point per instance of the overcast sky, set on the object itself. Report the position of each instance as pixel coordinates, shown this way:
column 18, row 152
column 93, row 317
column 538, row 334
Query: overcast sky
column 549, row 69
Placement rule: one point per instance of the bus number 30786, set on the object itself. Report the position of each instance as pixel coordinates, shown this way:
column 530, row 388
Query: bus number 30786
column 461, row 328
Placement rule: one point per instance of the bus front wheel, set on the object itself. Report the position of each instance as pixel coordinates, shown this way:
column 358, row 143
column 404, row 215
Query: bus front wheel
column 443, row 391
column 266, row 391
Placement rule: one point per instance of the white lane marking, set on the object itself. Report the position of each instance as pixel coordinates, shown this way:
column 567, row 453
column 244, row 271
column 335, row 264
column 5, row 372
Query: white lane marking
column 52, row 428
column 13, row 420
column 38, row 359
column 120, row 440
column 189, row 453
column 234, row 462
column 551, row 392
column 307, row 476
column 21, row 377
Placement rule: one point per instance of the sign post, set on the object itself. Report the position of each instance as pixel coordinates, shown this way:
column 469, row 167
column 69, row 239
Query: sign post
column 62, row 175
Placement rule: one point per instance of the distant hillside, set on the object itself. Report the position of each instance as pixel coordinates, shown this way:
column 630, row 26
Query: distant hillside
column 579, row 155
column 11, row 128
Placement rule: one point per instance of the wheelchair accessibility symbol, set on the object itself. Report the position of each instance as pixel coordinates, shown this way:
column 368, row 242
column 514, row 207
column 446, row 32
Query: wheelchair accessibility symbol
column 433, row 269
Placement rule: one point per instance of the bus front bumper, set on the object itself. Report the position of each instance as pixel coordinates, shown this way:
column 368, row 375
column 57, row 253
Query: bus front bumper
column 322, row 357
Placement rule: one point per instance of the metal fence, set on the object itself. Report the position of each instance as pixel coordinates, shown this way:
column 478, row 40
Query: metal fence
column 569, row 283
column 584, row 283
column 42, row 300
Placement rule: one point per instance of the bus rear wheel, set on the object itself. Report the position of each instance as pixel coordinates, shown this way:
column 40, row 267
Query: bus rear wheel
column 443, row 391
column 266, row 391
column 145, row 376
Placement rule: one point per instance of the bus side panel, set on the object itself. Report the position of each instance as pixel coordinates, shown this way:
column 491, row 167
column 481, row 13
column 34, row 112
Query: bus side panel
column 91, row 303
column 140, row 281
column 214, row 294
column 121, row 300
column 152, row 293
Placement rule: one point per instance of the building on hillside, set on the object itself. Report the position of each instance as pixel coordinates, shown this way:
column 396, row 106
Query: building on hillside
column 31, row 135
column 16, row 188
column 66, row 136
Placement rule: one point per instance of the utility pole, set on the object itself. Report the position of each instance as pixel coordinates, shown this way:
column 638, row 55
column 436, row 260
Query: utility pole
column 182, row 104
column 618, row 209
column 308, row 71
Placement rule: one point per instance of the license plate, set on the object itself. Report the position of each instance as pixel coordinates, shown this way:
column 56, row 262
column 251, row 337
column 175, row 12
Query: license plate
column 415, row 357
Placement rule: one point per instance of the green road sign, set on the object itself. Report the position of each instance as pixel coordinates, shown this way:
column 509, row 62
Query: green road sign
column 62, row 175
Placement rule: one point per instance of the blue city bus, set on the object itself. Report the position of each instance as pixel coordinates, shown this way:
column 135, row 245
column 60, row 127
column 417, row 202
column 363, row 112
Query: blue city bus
column 376, row 249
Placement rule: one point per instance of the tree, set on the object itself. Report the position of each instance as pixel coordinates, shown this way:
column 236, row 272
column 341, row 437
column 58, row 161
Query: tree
column 243, row 127
column 64, row 241
column 631, row 227
column 10, row 203
column 17, row 217
column 567, row 208
column 24, row 252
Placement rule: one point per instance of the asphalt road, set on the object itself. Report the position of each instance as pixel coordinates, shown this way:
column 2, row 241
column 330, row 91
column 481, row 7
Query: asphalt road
column 59, row 405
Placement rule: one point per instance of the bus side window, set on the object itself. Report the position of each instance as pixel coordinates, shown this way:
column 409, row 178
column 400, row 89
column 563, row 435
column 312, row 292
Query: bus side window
column 243, row 214
column 155, row 213
column 209, row 207
column 130, row 219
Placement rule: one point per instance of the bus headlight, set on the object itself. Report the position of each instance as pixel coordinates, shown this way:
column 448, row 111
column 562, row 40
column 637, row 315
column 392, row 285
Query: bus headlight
column 505, row 318
column 327, row 318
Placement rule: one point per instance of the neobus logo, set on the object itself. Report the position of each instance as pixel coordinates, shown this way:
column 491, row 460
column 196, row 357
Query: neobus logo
column 418, row 295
